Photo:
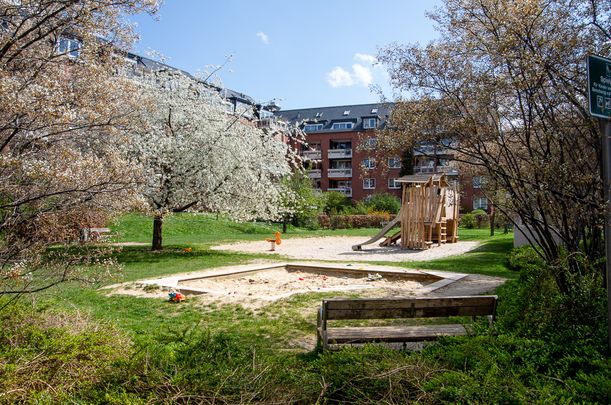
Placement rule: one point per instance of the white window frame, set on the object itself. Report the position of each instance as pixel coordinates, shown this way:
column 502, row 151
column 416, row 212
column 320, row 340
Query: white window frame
column 308, row 127
column 393, row 184
column 477, row 181
column 477, row 203
column 69, row 49
column 369, row 163
column 343, row 125
column 367, row 123
column 369, row 183
column 394, row 163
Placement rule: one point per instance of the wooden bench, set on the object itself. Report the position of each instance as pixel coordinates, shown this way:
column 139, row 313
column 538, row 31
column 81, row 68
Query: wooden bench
column 389, row 308
column 94, row 234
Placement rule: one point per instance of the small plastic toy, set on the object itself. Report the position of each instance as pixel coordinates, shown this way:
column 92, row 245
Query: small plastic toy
column 176, row 297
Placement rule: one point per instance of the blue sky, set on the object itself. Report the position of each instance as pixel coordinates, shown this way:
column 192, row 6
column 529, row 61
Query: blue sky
column 302, row 53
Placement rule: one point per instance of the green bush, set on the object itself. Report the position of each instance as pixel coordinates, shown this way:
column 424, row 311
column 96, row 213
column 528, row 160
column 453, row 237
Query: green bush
column 337, row 203
column 352, row 221
column 467, row 221
column 481, row 218
column 384, row 203
column 475, row 219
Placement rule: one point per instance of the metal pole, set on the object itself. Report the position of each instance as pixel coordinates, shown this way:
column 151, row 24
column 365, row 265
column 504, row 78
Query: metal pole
column 605, row 126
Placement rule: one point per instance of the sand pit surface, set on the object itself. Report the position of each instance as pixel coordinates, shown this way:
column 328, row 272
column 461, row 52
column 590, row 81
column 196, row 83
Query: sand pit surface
column 276, row 283
column 340, row 248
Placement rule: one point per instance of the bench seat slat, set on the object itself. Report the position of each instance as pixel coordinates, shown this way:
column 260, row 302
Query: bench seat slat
column 379, row 313
column 384, row 303
column 392, row 333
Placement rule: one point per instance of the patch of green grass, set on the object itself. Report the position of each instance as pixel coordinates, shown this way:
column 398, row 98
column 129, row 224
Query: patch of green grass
column 188, row 228
column 490, row 259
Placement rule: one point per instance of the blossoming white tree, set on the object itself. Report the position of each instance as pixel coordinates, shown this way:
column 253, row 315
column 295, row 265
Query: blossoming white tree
column 63, row 112
column 199, row 157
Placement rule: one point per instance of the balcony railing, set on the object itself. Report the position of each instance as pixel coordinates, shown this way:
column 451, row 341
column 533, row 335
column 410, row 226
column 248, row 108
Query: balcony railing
column 347, row 191
column 315, row 174
column 449, row 170
column 335, row 173
column 311, row 154
column 340, row 153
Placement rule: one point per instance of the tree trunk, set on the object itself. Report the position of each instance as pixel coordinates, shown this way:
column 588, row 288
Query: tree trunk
column 284, row 222
column 492, row 224
column 157, row 232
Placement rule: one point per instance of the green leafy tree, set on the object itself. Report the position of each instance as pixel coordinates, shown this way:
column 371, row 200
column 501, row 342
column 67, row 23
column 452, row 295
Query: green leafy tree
column 506, row 82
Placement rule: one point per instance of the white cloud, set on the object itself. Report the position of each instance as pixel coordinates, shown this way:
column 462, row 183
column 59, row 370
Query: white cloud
column 263, row 37
column 339, row 77
column 362, row 74
column 363, row 57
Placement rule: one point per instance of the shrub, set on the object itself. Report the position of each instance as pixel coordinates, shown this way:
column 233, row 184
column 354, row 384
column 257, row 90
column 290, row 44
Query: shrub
column 336, row 203
column 384, row 203
column 481, row 218
column 353, row 221
column 467, row 221
column 475, row 219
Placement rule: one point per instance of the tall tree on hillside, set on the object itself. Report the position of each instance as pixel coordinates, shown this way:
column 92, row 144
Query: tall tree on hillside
column 63, row 114
column 507, row 81
column 199, row 158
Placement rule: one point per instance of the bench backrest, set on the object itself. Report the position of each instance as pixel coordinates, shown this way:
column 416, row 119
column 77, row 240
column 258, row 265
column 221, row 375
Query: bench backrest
column 384, row 308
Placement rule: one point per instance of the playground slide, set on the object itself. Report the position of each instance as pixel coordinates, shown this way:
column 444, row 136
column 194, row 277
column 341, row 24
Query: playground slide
column 380, row 234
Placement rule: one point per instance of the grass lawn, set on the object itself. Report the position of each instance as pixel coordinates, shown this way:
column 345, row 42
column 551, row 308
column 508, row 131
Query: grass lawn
column 280, row 323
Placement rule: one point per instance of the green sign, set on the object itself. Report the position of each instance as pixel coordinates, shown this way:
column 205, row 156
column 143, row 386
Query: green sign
column 599, row 86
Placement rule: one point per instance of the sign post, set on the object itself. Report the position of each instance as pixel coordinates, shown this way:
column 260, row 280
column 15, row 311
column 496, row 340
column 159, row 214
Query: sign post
column 599, row 92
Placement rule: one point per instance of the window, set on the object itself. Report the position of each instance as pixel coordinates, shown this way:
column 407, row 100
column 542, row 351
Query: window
column 477, row 181
column 369, row 163
column 370, row 123
column 342, row 125
column 347, row 112
column 318, row 114
column 480, row 203
column 393, row 183
column 312, row 127
column 69, row 46
column 394, row 163
column 370, row 143
column 374, row 110
column 369, row 184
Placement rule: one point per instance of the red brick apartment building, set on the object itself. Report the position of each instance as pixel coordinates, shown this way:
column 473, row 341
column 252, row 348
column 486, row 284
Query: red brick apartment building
column 339, row 154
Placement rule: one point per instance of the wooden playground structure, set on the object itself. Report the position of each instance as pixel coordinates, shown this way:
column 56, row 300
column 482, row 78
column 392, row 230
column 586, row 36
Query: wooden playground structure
column 428, row 215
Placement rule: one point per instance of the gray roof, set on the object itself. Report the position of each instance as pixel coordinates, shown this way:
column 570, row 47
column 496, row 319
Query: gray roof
column 151, row 64
column 328, row 115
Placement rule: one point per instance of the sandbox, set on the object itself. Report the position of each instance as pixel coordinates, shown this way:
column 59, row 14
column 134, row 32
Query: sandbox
column 257, row 284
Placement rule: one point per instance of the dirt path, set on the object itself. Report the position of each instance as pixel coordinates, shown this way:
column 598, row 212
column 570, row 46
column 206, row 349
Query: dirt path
column 340, row 248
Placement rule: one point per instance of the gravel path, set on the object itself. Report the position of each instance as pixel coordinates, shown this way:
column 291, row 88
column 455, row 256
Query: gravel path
column 340, row 248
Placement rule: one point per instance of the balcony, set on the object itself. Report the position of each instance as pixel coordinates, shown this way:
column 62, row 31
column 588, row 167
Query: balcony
column 347, row 191
column 339, row 173
column 449, row 170
column 315, row 174
column 340, row 153
column 311, row 154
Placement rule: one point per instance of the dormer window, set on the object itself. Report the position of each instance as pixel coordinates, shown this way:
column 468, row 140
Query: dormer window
column 69, row 46
column 374, row 110
column 369, row 123
column 312, row 127
column 342, row 125
column 347, row 112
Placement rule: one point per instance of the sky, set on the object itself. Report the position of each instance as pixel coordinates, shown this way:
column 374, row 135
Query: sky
column 298, row 53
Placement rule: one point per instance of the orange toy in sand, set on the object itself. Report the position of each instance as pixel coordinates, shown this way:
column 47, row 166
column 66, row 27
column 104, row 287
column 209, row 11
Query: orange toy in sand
column 276, row 241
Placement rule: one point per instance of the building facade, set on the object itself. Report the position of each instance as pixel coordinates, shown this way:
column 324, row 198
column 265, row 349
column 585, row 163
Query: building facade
column 339, row 153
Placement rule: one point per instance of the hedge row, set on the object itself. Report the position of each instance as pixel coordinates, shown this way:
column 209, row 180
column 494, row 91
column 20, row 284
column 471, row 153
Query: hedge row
column 352, row 221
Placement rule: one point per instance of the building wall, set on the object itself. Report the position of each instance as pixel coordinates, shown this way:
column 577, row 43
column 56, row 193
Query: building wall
column 379, row 173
